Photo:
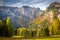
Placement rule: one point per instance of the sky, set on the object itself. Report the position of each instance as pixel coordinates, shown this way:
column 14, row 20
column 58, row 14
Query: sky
column 42, row 4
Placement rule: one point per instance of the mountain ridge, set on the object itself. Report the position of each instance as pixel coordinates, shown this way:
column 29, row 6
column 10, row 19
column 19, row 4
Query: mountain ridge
column 20, row 16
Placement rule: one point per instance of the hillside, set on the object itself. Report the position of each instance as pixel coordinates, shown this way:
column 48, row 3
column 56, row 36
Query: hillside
column 19, row 16
column 52, row 12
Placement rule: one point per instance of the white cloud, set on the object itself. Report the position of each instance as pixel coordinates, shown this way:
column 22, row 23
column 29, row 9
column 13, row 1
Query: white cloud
column 35, row 1
column 42, row 4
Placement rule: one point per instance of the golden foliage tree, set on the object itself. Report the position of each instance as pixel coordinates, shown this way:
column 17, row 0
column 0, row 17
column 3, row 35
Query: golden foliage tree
column 55, row 26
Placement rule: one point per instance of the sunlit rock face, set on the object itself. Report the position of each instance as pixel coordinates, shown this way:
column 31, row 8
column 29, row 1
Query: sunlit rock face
column 19, row 16
column 51, row 16
column 54, row 10
column 58, row 16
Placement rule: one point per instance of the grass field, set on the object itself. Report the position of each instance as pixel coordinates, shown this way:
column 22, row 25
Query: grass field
column 53, row 37
column 30, row 39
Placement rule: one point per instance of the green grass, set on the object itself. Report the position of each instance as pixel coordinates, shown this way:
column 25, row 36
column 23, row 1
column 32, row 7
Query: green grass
column 30, row 39
column 53, row 37
column 17, row 37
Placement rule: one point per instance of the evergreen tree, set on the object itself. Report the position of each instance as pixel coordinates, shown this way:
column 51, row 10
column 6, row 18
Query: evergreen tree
column 9, row 26
column 6, row 29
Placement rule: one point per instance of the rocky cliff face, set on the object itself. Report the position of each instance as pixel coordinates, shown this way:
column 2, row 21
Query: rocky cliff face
column 24, row 16
column 19, row 16
column 54, row 10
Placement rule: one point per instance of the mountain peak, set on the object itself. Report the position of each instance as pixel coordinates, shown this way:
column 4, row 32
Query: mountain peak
column 19, row 16
column 26, row 6
column 53, row 6
column 54, row 3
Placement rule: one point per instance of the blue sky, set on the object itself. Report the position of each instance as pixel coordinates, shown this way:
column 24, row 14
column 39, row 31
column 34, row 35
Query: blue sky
column 42, row 4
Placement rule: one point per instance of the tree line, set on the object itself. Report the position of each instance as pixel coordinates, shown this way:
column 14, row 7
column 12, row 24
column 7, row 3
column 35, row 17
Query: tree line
column 7, row 30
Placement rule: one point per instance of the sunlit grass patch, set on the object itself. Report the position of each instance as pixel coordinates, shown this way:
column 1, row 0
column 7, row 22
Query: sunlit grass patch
column 17, row 36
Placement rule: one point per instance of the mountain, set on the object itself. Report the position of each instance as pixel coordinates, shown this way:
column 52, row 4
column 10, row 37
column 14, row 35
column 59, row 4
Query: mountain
column 54, row 6
column 52, row 12
column 20, row 16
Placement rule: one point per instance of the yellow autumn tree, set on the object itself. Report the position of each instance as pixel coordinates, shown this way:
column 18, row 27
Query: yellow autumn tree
column 55, row 26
